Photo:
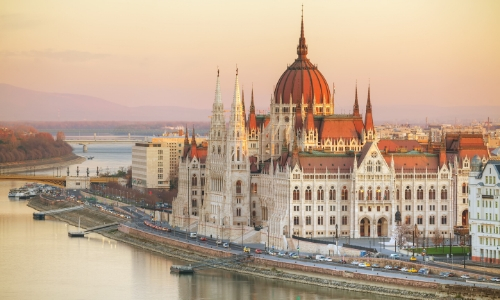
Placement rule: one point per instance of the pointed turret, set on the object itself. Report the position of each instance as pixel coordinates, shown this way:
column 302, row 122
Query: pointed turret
column 252, row 120
column 302, row 47
column 355, row 109
column 368, row 117
column 193, row 146
column 310, row 117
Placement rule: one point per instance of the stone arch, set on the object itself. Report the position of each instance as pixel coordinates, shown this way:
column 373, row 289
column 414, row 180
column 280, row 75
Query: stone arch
column 382, row 227
column 364, row 227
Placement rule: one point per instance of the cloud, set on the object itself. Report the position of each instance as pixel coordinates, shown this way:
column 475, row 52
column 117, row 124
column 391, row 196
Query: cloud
column 65, row 56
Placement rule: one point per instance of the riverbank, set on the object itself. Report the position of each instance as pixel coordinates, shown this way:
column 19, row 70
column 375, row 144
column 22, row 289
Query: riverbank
column 32, row 166
column 262, row 267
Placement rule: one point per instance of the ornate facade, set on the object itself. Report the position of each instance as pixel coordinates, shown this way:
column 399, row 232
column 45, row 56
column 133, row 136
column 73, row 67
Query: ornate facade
column 304, row 170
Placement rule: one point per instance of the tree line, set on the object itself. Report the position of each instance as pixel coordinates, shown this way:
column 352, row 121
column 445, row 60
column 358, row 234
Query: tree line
column 23, row 143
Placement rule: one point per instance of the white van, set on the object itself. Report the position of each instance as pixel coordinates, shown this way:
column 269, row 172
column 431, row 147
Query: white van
column 320, row 257
column 192, row 235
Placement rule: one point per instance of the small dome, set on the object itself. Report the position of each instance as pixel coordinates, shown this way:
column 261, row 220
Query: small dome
column 476, row 163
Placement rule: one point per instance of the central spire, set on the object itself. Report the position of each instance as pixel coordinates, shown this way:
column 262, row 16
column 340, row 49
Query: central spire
column 302, row 47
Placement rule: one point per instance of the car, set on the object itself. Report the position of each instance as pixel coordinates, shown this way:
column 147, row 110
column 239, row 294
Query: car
column 354, row 262
column 218, row 242
column 329, row 259
column 495, row 279
column 423, row 271
column 413, row 258
column 258, row 251
column 412, row 270
column 203, row 239
column 362, row 265
column 225, row 245
column 465, row 276
column 404, row 269
column 246, row 249
column 375, row 266
column 388, row 267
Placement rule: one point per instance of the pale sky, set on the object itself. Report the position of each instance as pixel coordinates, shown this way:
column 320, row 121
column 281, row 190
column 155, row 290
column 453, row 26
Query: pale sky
column 167, row 52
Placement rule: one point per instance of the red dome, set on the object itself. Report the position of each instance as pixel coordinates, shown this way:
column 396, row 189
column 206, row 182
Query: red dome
column 302, row 78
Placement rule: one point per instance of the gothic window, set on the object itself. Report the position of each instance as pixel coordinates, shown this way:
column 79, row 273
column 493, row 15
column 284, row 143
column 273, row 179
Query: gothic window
column 369, row 194
column 408, row 220
column 432, row 193
column 369, row 166
column 332, row 195
column 332, row 220
column 308, row 220
column 321, row 194
column 344, row 220
column 444, row 193
column 238, row 187
column 387, row 194
column 378, row 167
column 361, row 194
column 345, row 193
column 296, row 220
column 420, row 193
column 443, row 220
column 194, row 180
column 432, row 220
column 420, row 220
column 308, row 193
column 378, row 194
column 296, row 193
column 408, row 193
column 320, row 220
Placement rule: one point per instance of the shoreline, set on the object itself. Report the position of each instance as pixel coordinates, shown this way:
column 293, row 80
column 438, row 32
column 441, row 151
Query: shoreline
column 41, row 164
column 260, row 267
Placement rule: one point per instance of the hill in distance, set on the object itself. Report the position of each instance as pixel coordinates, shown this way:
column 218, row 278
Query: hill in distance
column 19, row 104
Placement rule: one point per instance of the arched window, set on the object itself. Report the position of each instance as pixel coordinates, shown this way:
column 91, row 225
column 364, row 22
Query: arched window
column 432, row 193
column 296, row 193
column 361, row 194
column 332, row 220
column 321, row 194
column 238, row 187
column 194, row 180
column 296, row 220
column 387, row 194
column 332, row 195
column 345, row 193
column 408, row 220
column 408, row 193
column 444, row 193
column 369, row 194
column 420, row 193
column 378, row 194
column 308, row 193
column 443, row 220
column 432, row 220
column 420, row 220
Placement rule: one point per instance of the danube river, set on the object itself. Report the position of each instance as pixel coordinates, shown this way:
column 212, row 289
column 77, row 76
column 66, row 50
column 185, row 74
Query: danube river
column 39, row 261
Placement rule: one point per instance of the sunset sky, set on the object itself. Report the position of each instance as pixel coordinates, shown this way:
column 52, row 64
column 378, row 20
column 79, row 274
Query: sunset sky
column 167, row 52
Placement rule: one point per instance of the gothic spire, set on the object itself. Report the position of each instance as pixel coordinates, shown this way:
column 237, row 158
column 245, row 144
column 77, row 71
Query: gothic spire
column 355, row 110
column 302, row 47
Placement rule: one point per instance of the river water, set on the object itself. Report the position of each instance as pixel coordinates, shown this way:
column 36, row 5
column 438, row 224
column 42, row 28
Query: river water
column 39, row 261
